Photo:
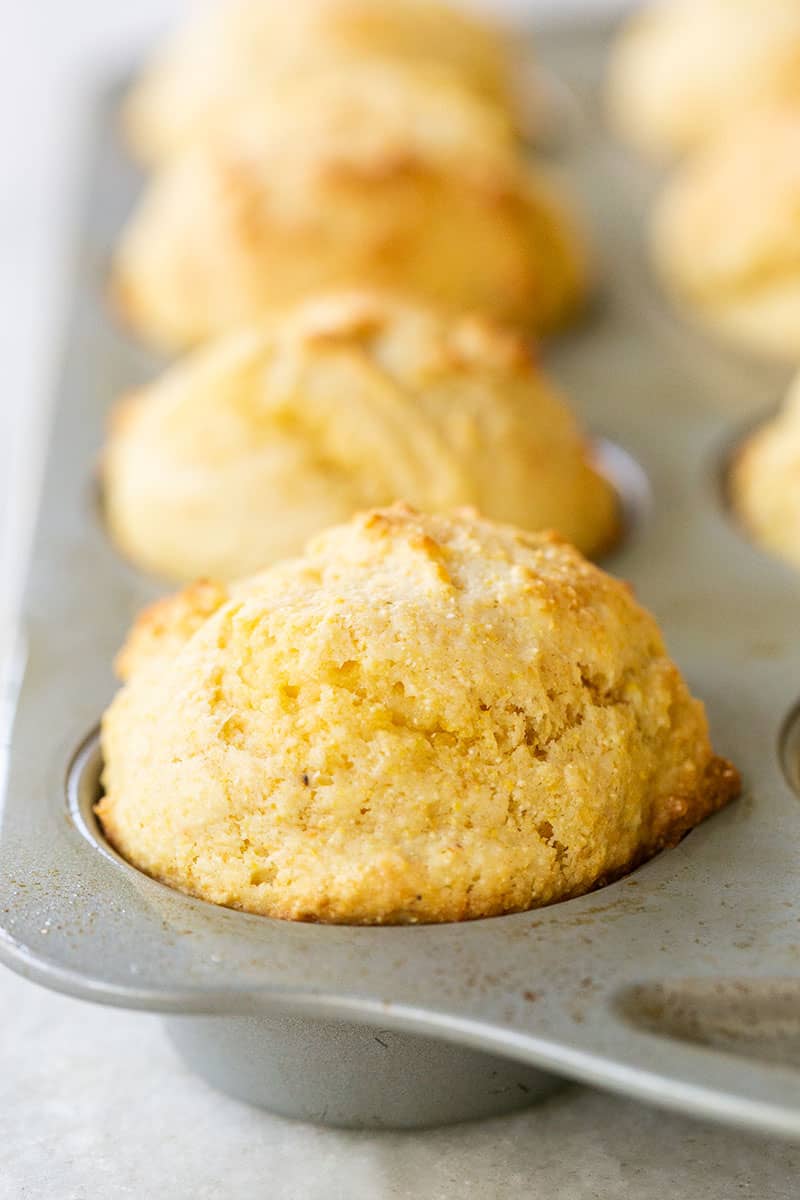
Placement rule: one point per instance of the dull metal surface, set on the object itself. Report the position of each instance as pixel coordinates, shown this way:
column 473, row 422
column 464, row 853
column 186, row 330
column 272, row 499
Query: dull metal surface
column 680, row 983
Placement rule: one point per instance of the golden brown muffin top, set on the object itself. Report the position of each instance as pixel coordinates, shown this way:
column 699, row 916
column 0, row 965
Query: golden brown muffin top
column 425, row 718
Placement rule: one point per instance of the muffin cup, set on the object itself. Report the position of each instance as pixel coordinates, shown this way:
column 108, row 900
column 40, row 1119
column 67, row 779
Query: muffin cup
column 353, row 1076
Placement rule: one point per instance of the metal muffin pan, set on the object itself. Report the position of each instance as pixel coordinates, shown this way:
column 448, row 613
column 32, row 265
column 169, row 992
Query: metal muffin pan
column 679, row 984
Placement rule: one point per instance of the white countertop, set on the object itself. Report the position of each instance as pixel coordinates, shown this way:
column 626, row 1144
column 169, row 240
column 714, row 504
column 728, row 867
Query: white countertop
column 94, row 1104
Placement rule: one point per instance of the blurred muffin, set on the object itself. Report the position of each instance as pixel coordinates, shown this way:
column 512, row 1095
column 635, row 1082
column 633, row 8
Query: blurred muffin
column 683, row 70
column 377, row 176
column 726, row 234
column 236, row 456
column 230, row 57
column 765, row 482
column 425, row 718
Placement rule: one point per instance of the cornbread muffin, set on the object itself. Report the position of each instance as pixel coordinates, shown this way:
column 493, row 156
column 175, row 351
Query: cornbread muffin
column 765, row 482
column 684, row 70
column 376, row 176
column 424, row 718
column 229, row 59
column 236, row 456
column 726, row 234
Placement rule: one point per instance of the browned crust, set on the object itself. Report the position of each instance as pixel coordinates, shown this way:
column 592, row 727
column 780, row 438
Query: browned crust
column 169, row 621
column 719, row 785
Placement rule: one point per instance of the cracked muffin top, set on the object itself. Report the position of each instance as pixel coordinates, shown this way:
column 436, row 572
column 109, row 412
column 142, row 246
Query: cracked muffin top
column 424, row 718
column 229, row 59
column 236, row 456
column 377, row 176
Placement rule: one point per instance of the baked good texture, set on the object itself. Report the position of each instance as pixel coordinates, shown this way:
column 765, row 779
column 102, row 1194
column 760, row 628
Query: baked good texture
column 230, row 57
column 424, row 718
column 375, row 176
column 726, row 234
column 685, row 70
column 765, row 482
column 243, row 451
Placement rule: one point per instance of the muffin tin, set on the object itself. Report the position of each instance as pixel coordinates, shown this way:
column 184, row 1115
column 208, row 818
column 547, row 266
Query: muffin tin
column 679, row 984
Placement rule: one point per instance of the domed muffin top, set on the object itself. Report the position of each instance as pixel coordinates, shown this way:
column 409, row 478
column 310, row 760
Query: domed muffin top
column 375, row 176
column 684, row 71
column 240, row 453
column 228, row 61
column 425, row 718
